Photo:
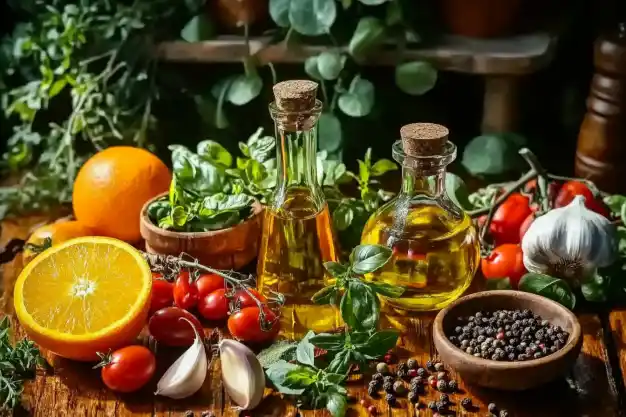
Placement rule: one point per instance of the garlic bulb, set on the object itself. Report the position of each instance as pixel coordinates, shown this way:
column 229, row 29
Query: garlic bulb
column 570, row 242
column 187, row 374
column 242, row 374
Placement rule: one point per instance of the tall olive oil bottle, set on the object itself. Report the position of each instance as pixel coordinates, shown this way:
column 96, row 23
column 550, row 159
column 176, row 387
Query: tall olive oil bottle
column 297, row 230
column 435, row 246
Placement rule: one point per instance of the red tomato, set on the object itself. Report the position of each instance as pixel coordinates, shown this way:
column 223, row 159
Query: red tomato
column 573, row 188
column 245, row 325
column 508, row 218
column 524, row 227
column 207, row 283
column 128, row 369
column 162, row 294
column 214, row 306
column 167, row 327
column 504, row 261
column 243, row 299
column 185, row 291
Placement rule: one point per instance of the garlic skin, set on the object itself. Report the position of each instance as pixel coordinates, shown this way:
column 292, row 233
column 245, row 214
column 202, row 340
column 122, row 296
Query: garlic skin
column 186, row 376
column 569, row 242
column 242, row 374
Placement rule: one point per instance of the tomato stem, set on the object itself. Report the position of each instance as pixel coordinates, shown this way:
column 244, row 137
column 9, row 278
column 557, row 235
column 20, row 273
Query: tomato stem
column 105, row 359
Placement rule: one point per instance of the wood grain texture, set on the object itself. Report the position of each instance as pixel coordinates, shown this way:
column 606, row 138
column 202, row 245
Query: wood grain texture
column 74, row 389
column 617, row 321
column 507, row 56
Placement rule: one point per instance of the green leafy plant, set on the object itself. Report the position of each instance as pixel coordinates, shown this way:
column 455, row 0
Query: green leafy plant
column 17, row 364
column 318, row 380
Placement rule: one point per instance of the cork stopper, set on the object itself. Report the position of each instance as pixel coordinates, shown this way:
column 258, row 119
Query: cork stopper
column 424, row 139
column 295, row 95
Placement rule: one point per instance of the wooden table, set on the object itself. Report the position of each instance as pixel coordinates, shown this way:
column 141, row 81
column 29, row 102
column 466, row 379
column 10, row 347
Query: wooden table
column 594, row 387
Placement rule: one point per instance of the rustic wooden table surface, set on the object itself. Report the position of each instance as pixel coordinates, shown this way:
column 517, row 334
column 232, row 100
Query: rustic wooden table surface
column 594, row 387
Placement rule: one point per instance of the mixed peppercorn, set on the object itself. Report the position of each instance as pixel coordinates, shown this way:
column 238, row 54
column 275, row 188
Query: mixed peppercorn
column 508, row 335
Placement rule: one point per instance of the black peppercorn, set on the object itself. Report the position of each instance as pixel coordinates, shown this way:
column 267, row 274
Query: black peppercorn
column 401, row 373
column 189, row 413
column 389, row 379
column 378, row 377
column 390, row 398
column 432, row 405
column 421, row 372
column 442, row 385
column 492, row 408
column 438, row 367
column 412, row 363
column 413, row 397
column 504, row 413
column 441, row 406
column 453, row 386
column 402, row 366
column 371, row 390
column 444, row 399
column 388, row 386
column 429, row 364
column 466, row 403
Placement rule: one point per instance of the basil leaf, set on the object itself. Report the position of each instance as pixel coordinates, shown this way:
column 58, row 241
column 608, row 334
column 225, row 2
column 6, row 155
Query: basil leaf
column 334, row 378
column 329, row 341
column 275, row 353
column 595, row 290
column 337, row 404
column 615, row 203
column 277, row 373
column 327, row 295
column 340, row 363
column 379, row 343
column 305, row 352
column 359, row 306
column 387, row 290
column 215, row 153
column 208, row 220
column 553, row 288
column 382, row 166
column 301, row 377
column 260, row 148
column 369, row 258
column 498, row 284
column 195, row 173
column 335, row 269
column 158, row 209
column 360, row 359
column 220, row 201
column 343, row 216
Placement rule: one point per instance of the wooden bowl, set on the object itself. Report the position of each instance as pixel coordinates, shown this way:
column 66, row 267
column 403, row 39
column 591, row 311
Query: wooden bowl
column 230, row 248
column 511, row 376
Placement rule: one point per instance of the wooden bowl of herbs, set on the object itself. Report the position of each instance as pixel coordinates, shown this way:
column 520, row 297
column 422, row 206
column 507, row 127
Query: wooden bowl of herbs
column 504, row 325
column 224, row 233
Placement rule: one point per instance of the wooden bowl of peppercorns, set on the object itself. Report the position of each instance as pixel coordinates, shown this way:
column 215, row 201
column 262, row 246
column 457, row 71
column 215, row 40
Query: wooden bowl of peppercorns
column 508, row 340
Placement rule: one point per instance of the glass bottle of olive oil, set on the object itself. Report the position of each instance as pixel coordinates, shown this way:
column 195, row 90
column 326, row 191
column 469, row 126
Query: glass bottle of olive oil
column 297, row 230
column 435, row 246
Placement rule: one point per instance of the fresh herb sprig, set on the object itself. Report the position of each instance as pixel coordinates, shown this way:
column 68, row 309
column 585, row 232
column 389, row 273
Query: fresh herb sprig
column 320, row 382
column 17, row 364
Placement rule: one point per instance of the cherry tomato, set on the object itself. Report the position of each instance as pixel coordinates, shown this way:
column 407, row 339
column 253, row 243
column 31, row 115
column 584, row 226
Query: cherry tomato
column 214, row 306
column 185, row 291
column 525, row 225
column 162, row 294
column 573, row 188
column 128, row 369
column 504, row 261
column 207, row 283
column 245, row 325
column 167, row 327
column 508, row 218
column 242, row 298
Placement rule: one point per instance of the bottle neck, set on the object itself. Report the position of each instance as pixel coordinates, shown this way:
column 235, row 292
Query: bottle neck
column 296, row 157
column 417, row 183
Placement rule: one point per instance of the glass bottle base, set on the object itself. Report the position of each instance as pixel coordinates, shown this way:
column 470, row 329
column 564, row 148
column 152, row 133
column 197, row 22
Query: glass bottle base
column 297, row 320
column 423, row 302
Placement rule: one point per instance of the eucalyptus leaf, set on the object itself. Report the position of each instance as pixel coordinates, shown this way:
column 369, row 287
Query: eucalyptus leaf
column 373, row 2
column 493, row 154
column 457, row 191
column 416, row 78
column 199, row 28
column 368, row 258
column 215, row 153
column 359, row 99
column 244, row 88
column 312, row 17
column 369, row 33
column 330, row 64
column 329, row 132
column 311, row 68
column 553, row 288
column 279, row 11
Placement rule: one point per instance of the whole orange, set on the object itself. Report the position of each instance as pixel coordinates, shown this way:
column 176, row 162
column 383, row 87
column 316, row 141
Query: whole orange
column 113, row 185
column 57, row 233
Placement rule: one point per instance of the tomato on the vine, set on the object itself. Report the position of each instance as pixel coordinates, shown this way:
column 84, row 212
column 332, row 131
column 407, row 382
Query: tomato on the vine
column 128, row 369
column 162, row 293
column 505, row 261
column 526, row 225
column 207, row 283
column 245, row 325
column 508, row 218
column 243, row 298
column 167, row 327
column 571, row 189
column 185, row 291
column 214, row 306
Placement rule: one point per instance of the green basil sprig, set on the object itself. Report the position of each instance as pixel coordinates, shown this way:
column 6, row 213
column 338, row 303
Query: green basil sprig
column 550, row 287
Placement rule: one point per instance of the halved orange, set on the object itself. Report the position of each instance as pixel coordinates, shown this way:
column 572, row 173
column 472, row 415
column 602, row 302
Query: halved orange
column 84, row 296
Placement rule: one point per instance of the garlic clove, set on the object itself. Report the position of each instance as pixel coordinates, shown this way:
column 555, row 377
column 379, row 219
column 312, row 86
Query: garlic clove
column 242, row 374
column 186, row 376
